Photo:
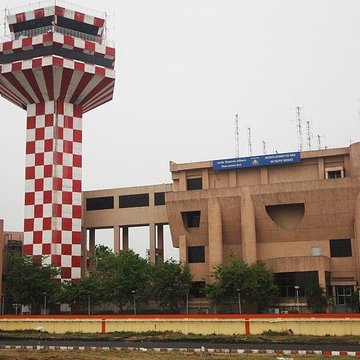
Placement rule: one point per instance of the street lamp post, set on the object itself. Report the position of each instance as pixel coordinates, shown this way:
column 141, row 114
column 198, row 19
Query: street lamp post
column 239, row 300
column 134, row 294
column 187, row 303
column 44, row 303
column 297, row 297
column 89, row 305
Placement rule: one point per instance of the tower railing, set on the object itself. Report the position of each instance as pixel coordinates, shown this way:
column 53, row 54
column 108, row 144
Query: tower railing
column 47, row 3
column 58, row 29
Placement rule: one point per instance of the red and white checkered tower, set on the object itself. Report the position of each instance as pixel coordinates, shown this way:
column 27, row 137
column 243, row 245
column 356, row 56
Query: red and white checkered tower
column 57, row 67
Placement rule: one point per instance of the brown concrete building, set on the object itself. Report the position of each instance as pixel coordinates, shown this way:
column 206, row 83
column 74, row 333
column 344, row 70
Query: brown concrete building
column 121, row 209
column 10, row 242
column 302, row 220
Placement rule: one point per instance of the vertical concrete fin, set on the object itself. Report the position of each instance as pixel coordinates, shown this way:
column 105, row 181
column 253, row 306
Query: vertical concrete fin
column 183, row 248
column 248, row 229
column 215, row 233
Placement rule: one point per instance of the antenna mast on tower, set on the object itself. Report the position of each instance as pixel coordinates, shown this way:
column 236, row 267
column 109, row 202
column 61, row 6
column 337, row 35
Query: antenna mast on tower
column 264, row 147
column 319, row 142
column 249, row 141
column 237, row 136
column 308, row 134
column 299, row 127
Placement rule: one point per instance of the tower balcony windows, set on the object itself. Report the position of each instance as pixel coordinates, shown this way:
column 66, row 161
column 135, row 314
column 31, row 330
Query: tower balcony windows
column 57, row 29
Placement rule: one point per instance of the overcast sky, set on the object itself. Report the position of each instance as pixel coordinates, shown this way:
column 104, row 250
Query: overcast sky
column 184, row 69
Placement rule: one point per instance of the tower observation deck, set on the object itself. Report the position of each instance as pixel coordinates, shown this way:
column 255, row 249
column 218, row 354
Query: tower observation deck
column 56, row 67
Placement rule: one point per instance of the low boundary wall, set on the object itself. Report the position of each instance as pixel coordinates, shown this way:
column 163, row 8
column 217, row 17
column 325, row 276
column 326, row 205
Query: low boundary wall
column 245, row 324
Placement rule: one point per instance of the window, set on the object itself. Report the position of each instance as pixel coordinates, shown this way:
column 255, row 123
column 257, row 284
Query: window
column 340, row 248
column 287, row 282
column 194, row 183
column 334, row 173
column 197, row 289
column 159, row 198
column 100, row 203
column 343, row 295
column 136, row 200
column 196, row 254
column 191, row 219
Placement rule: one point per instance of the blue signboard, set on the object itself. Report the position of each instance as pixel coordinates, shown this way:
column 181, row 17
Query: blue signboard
column 256, row 161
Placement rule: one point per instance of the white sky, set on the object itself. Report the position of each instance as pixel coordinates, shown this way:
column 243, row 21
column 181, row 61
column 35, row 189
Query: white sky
column 185, row 67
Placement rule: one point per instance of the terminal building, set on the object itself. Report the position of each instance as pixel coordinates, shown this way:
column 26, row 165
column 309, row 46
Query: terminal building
column 297, row 212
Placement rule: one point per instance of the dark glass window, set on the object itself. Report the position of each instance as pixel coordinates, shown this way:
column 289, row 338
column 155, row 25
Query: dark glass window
column 328, row 283
column 191, row 218
column 159, row 198
column 100, row 203
column 33, row 24
column 136, row 200
column 340, row 248
column 287, row 282
column 197, row 289
column 77, row 25
column 196, row 254
column 194, row 184
column 336, row 174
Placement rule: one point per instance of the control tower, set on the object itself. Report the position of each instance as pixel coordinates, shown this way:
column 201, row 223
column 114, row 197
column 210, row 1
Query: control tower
column 56, row 67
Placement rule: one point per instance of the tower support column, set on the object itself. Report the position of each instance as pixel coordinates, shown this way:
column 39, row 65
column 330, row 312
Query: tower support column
column 52, row 226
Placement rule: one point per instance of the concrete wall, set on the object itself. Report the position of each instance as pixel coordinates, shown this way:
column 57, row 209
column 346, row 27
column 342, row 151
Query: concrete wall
column 320, row 324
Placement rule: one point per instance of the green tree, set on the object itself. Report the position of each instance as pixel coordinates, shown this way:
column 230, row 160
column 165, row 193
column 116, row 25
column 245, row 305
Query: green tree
column 171, row 283
column 102, row 251
column 82, row 293
column 316, row 299
column 28, row 282
column 253, row 283
column 123, row 276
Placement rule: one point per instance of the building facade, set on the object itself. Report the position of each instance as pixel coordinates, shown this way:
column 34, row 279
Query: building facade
column 301, row 219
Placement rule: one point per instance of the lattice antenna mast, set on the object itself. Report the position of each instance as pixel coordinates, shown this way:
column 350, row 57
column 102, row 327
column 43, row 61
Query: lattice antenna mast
column 319, row 142
column 299, row 127
column 237, row 136
column 264, row 147
column 308, row 134
column 249, row 141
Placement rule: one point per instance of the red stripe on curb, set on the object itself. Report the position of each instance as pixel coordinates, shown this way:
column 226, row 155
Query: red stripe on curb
column 103, row 326
column 247, row 326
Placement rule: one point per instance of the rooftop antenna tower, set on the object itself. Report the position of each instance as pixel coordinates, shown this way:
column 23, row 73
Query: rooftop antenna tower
column 264, row 147
column 319, row 142
column 249, row 141
column 308, row 134
column 237, row 136
column 299, row 127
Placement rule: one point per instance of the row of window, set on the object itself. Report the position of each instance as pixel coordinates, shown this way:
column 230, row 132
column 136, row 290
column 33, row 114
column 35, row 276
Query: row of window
column 338, row 248
column 331, row 173
column 196, row 183
column 125, row 201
